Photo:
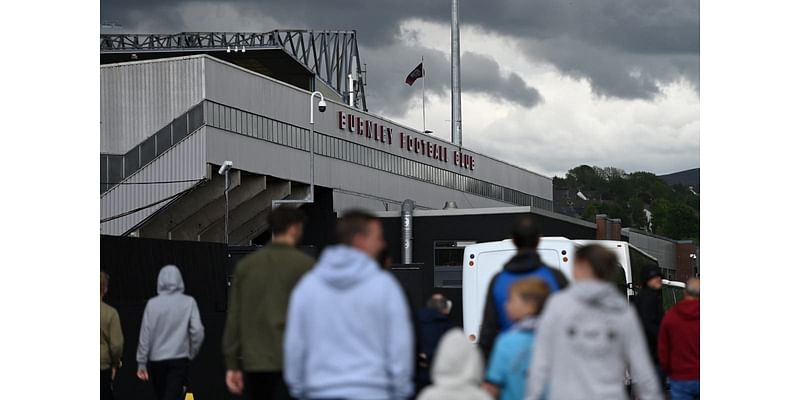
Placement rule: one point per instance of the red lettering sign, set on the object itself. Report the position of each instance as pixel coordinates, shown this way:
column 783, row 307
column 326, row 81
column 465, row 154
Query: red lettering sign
column 420, row 145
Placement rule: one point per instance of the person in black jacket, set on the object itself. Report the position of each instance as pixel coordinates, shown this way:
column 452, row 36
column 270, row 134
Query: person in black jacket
column 525, row 264
column 433, row 323
column 650, row 308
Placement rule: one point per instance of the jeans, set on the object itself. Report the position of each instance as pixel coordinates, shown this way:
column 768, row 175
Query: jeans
column 684, row 390
column 169, row 377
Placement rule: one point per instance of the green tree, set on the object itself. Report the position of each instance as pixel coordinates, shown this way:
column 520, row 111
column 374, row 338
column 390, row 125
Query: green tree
column 676, row 210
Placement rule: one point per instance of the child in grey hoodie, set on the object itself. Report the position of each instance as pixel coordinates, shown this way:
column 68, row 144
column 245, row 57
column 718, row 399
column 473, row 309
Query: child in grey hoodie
column 457, row 370
column 588, row 336
column 170, row 336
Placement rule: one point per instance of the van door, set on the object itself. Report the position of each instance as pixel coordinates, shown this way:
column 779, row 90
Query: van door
column 551, row 258
column 485, row 265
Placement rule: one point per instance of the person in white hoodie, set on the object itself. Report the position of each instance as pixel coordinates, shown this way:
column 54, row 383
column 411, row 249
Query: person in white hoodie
column 457, row 370
column 170, row 336
column 348, row 331
column 588, row 336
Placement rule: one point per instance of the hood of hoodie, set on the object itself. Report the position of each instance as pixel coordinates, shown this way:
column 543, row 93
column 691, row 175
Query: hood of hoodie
column 688, row 309
column 170, row 280
column 529, row 323
column 523, row 262
column 343, row 266
column 598, row 294
column 458, row 362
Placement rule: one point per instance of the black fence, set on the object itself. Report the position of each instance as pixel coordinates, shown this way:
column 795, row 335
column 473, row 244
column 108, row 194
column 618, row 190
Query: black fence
column 133, row 265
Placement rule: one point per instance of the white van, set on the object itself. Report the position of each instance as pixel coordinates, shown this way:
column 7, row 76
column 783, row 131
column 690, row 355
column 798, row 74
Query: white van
column 482, row 261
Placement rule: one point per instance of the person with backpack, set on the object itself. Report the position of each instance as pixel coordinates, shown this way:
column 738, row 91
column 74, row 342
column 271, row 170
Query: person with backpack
column 170, row 336
column 525, row 264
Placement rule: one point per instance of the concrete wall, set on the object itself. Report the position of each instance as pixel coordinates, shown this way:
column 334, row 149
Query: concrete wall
column 236, row 87
column 262, row 157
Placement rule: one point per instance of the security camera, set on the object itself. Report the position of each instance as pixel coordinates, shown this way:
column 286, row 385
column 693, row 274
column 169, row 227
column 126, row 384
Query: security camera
column 322, row 105
column 226, row 166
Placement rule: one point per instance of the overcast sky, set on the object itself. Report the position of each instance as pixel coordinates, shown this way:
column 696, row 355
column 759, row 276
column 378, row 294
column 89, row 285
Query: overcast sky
column 546, row 84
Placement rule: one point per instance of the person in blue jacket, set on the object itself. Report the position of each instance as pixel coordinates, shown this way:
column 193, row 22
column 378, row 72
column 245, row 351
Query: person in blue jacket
column 525, row 264
column 511, row 356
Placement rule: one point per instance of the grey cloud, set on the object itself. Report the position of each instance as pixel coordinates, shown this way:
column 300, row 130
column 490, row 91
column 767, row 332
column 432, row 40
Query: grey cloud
column 604, row 41
column 481, row 74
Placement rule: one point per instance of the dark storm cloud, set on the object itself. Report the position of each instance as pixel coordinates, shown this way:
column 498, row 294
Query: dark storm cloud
column 480, row 74
column 624, row 48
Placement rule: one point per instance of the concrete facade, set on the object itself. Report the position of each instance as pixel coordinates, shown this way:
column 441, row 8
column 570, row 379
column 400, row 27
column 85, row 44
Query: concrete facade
column 262, row 125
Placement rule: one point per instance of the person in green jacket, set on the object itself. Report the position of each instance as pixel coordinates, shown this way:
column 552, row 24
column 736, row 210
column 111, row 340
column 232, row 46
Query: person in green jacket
column 110, row 342
column 262, row 283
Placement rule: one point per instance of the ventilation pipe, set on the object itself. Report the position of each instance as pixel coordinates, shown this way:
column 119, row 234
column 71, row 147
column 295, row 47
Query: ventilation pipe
column 450, row 205
column 406, row 229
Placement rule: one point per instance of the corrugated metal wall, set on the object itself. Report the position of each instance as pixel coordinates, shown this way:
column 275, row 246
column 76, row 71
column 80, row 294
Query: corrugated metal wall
column 186, row 160
column 662, row 249
column 137, row 99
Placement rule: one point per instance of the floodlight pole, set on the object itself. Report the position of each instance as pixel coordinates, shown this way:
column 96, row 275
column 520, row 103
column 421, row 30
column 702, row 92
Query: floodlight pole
column 455, row 76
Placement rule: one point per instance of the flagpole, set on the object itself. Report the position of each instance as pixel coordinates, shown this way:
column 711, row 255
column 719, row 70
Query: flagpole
column 423, row 95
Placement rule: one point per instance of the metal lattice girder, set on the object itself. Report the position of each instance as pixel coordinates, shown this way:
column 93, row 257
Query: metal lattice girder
column 328, row 54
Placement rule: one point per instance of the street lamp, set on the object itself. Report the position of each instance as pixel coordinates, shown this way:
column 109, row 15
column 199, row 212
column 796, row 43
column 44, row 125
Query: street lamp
column 225, row 170
column 322, row 106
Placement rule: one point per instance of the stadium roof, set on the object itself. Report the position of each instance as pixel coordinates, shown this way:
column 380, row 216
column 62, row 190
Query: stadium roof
column 292, row 56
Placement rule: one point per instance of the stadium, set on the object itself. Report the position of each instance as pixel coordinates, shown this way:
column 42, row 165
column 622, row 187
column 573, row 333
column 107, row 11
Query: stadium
column 174, row 108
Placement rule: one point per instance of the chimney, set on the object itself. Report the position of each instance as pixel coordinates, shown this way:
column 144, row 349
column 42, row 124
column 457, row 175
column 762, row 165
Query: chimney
column 684, row 263
column 602, row 226
column 615, row 228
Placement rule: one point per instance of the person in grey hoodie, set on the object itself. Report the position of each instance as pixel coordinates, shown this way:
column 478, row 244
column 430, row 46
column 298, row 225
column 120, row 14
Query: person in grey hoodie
column 588, row 336
column 348, row 332
column 170, row 336
column 457, row 370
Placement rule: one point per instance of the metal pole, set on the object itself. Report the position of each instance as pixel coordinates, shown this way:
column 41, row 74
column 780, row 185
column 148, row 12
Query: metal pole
column 423, row 95
column 455, row 76
column 227, row 187
column 312, row 142
column 406, row 230
column 313, row 138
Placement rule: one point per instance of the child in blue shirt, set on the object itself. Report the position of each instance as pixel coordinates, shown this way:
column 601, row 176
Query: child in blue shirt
column 511, row 355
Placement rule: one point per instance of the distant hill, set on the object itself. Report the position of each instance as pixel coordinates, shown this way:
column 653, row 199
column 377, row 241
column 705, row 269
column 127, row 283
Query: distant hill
column 690, row 177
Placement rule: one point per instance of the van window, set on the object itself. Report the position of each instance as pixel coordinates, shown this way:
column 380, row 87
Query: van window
column 639, row 261
column 620, row 282
column 670, row 295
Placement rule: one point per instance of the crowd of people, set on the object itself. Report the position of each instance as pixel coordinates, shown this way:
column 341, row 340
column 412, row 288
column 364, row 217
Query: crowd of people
column 343, row 328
